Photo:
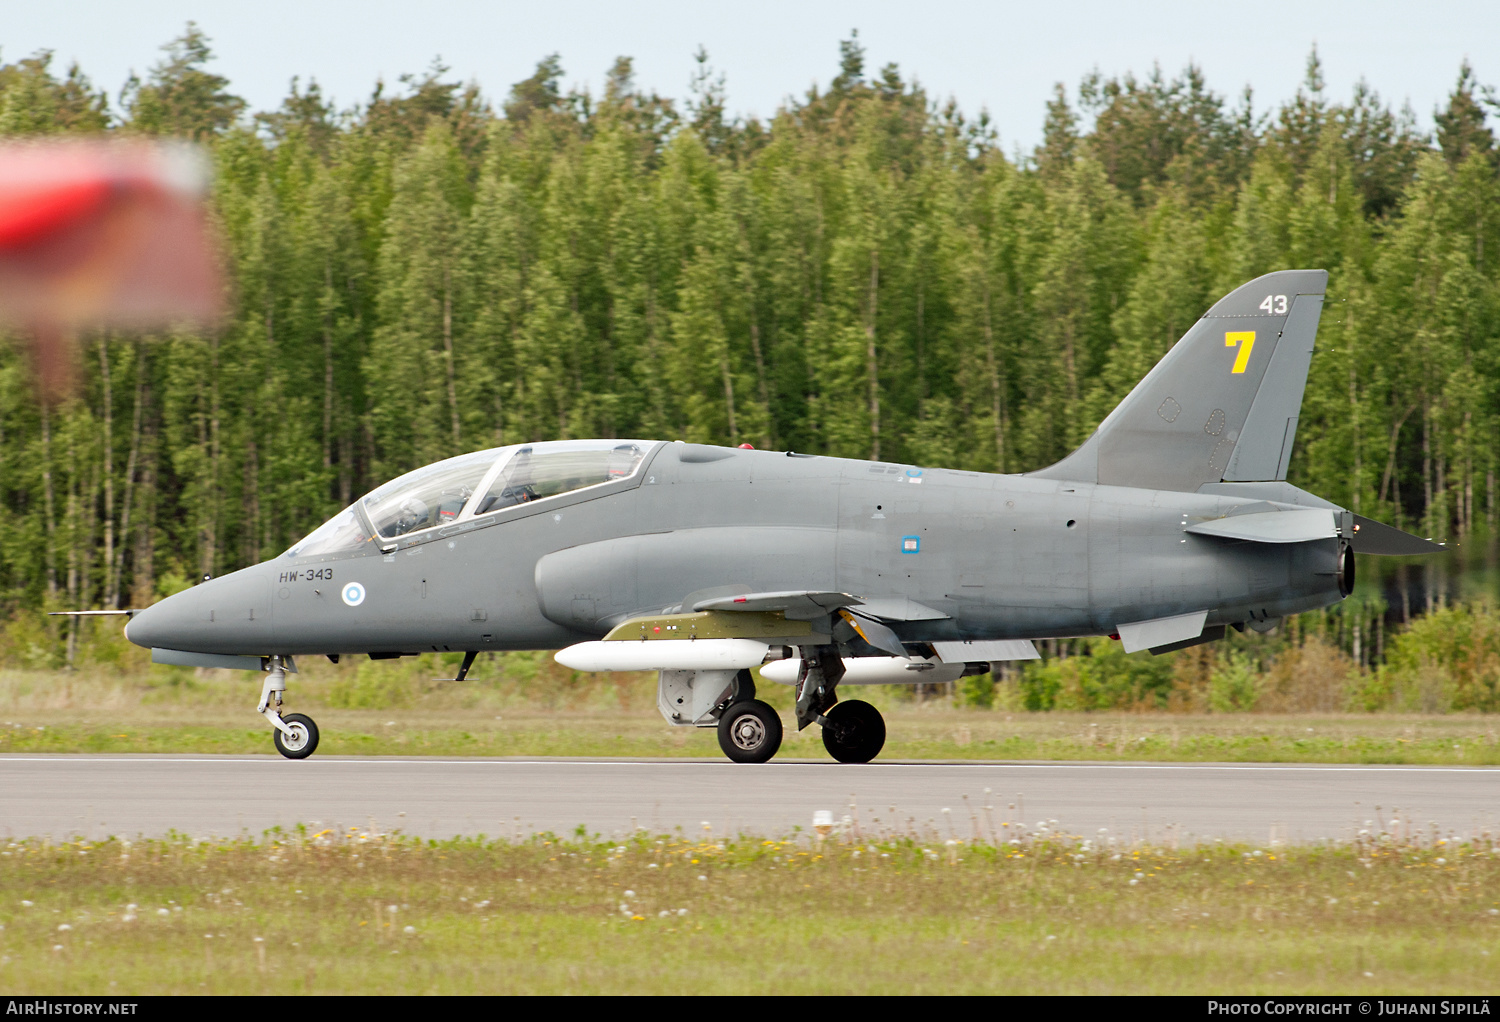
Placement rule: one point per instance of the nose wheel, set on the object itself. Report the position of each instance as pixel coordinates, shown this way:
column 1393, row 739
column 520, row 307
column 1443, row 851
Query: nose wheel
column 296, row 736
column 300, row 739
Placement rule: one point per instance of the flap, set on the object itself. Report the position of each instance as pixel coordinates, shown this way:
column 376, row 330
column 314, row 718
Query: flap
column 1301, row 525
column 797, row 605
column 873, row 632
column 899, row 608
column 1371, row 537
column 986, row 649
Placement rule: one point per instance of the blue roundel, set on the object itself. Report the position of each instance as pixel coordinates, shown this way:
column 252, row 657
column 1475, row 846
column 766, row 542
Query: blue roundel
column 354, row 594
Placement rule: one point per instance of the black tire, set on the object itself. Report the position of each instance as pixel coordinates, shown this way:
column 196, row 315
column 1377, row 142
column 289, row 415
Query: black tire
column 855, row 732
column 750, row 732
column 295, row 750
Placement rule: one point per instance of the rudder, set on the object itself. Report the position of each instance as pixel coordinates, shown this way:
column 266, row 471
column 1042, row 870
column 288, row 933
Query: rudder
column 1222, row 404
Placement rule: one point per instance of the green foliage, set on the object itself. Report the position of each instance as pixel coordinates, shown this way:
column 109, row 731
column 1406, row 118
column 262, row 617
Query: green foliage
column 865, row 274
column 1102, row 678
column 29, row 642
column 1448, row 660
column 374, row 686
column 179, row 96
column 977, row 690
column 1235, row 685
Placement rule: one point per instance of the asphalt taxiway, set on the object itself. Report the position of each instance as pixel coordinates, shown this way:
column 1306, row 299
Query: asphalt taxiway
column 68, row 796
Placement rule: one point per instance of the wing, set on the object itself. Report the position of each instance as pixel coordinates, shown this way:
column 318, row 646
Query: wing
column 797, row 605
column 806, row 604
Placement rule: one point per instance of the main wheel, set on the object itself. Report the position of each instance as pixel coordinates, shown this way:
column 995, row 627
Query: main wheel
column 303, row 740
column 750, row 732
column 855, row 732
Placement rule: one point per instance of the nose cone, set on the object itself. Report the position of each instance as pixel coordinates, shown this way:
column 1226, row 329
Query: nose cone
column 231, row 614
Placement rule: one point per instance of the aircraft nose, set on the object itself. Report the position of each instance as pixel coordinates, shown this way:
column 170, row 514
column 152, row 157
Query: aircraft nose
column 231, row 614
column 160, row 624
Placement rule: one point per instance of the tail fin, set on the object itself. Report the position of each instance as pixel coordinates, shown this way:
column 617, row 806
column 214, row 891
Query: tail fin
column 1222, row 405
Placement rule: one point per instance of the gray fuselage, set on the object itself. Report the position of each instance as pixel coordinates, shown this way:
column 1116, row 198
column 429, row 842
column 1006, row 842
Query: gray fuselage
column 972, row 555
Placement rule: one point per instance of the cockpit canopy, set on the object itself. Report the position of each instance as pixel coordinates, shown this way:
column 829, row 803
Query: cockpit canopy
column 471, row 485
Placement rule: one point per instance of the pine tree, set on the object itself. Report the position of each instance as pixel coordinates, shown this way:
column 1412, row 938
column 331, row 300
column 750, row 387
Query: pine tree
column 179, row 97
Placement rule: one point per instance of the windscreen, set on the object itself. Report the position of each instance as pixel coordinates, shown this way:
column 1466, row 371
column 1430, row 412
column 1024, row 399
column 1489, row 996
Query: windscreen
column 428, row 497
column 341, row 533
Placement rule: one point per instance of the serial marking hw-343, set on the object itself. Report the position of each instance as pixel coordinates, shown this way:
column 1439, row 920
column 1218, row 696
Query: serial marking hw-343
column 1171, row 524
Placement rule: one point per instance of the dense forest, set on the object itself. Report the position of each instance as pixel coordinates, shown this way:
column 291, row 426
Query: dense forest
column 868, row 274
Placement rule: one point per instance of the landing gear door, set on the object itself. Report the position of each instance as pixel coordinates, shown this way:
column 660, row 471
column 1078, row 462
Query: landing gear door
column 689, row 698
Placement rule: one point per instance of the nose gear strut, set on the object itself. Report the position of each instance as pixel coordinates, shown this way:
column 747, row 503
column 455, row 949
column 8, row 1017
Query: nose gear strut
column 296, row 735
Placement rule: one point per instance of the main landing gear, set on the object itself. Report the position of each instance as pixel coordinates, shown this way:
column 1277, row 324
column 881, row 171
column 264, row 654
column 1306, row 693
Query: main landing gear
column 750, row 731
column 296, row 735
column 853, row 731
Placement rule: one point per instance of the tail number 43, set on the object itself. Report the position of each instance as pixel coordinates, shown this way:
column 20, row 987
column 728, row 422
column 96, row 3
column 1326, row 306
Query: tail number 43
column 1275, row 305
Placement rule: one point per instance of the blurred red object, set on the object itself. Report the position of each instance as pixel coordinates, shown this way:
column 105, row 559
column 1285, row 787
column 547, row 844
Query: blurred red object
column 103, row 234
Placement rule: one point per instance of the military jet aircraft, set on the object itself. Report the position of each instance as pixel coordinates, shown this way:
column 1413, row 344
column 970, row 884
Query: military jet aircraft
column 1172, row 523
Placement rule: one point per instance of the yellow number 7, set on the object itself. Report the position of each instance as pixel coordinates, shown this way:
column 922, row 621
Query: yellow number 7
column 1233, row 337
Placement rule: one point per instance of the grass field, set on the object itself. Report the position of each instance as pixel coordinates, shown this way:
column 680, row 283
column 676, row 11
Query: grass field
column 368, row 913
column 915, row 732
column 377, row 709
column 362, row 912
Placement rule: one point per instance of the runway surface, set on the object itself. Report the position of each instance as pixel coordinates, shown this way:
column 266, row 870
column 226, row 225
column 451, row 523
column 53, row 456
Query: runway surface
column 206, row 796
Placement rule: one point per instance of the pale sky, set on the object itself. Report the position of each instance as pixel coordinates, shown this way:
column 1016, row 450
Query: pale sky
column 1001, row 56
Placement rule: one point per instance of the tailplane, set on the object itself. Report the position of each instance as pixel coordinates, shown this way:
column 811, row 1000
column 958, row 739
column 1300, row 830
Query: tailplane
column 1222, row 404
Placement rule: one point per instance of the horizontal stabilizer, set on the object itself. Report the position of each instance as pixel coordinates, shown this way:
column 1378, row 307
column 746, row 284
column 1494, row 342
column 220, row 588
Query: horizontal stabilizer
column 1163, row 631
column 797, row 605
column 1301, row 525
column 1371, row 537
column 986, row 649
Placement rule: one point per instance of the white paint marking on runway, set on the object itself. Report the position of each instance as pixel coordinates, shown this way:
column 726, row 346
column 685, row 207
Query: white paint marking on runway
column 67, row 796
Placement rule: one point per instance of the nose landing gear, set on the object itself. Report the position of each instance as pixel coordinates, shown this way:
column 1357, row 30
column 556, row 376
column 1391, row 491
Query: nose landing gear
column 296, row 736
